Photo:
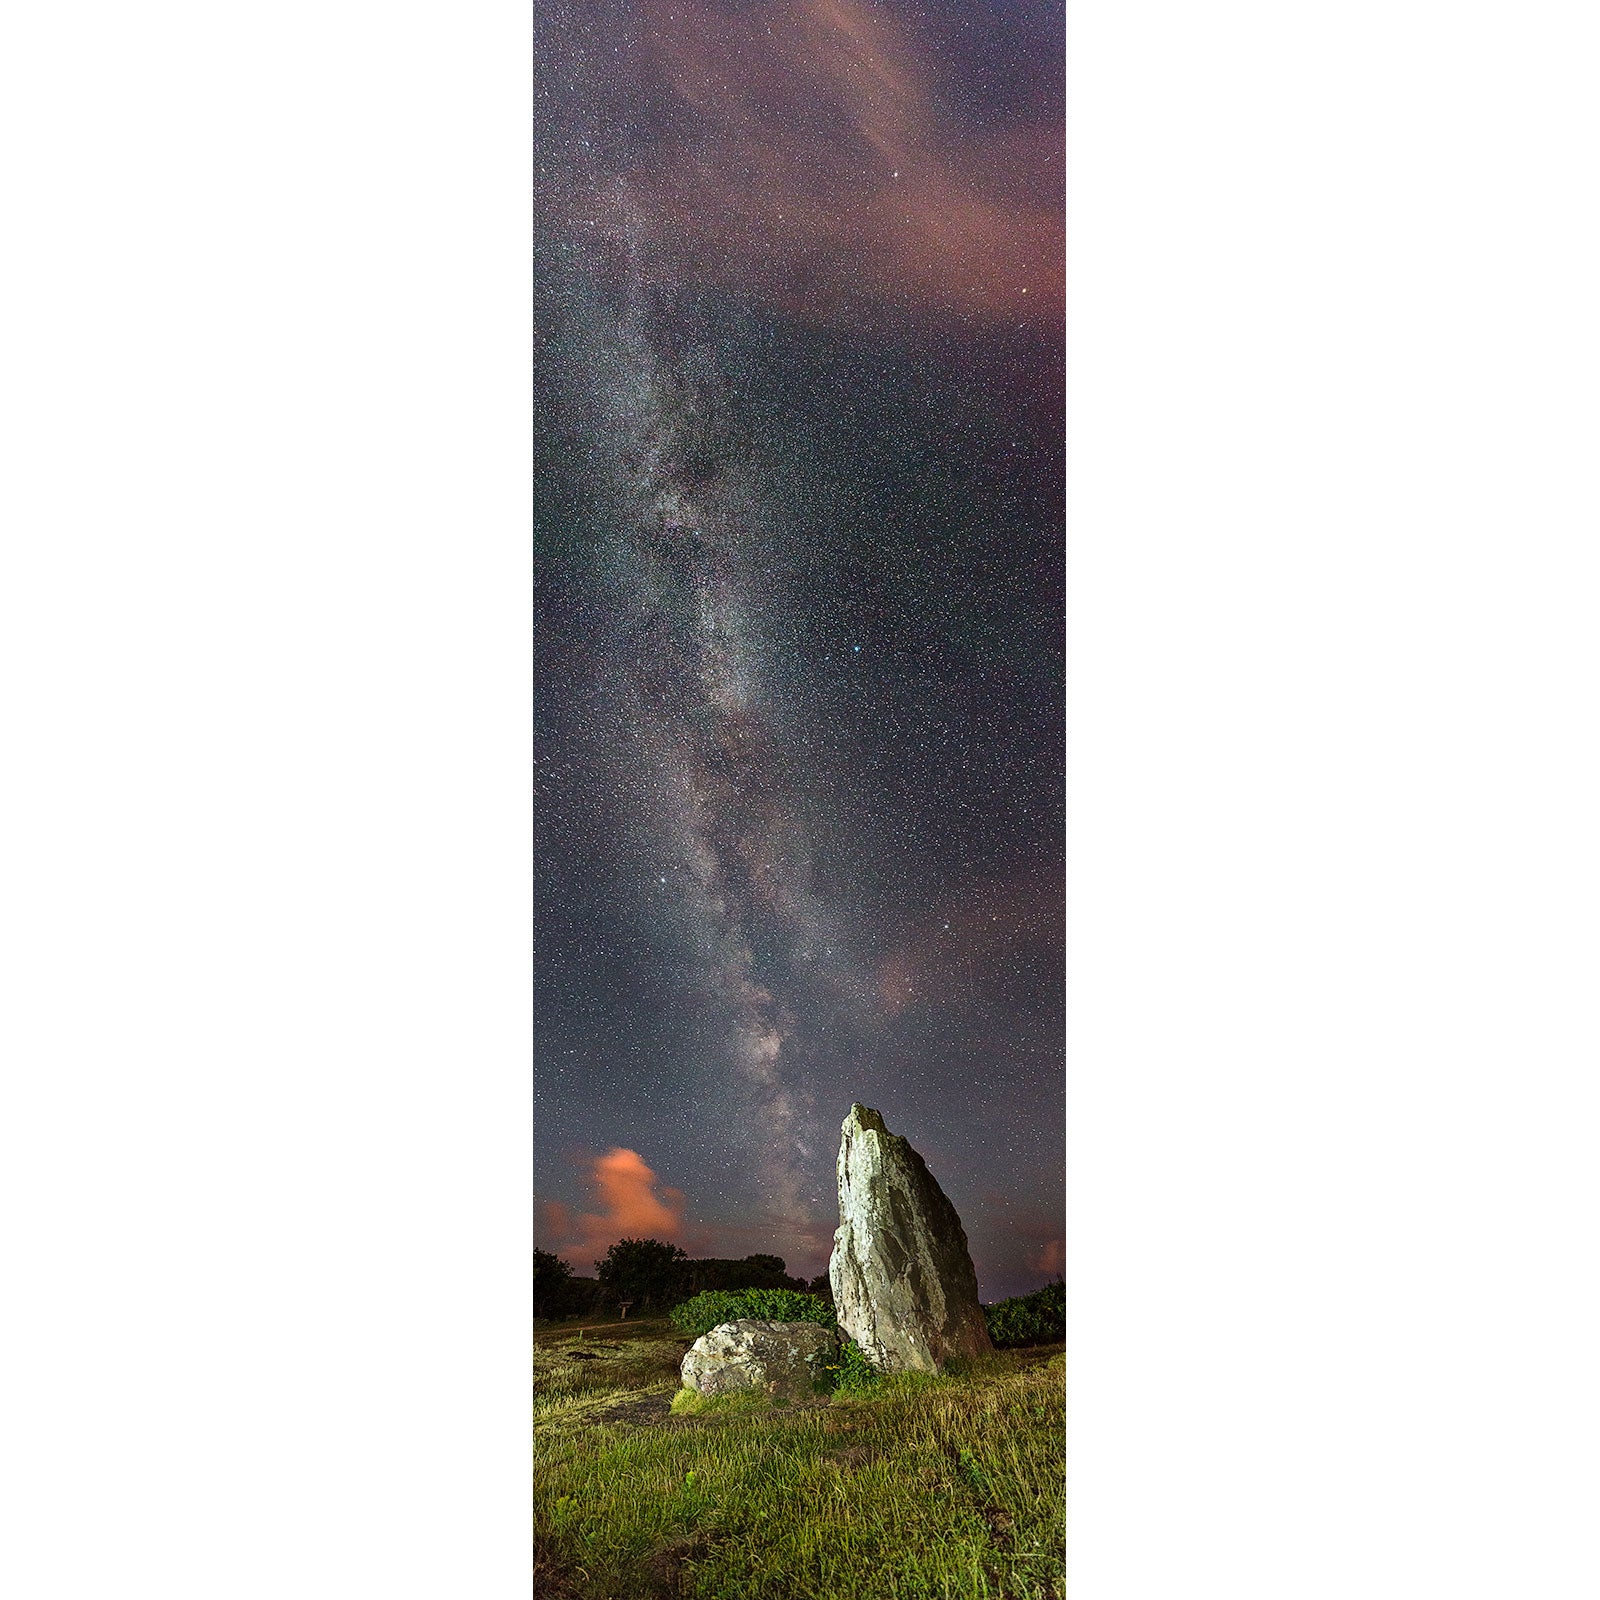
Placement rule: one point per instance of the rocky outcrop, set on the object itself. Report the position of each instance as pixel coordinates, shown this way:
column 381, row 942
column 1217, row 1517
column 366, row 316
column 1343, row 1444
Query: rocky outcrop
column 904, row 1287
column 774, row 1357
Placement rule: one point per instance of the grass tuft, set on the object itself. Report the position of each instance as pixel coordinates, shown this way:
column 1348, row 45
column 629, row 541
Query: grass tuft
column 691, row 1403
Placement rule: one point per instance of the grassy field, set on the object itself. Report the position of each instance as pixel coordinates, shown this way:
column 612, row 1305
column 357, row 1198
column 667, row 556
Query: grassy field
column 942, row 1488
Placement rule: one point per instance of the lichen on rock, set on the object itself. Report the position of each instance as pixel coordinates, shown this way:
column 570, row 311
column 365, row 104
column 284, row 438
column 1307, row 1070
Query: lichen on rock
column 778, row 1358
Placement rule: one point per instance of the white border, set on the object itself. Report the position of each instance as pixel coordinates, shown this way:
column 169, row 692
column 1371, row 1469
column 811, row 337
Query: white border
column 266, row 650
column 1334, row 673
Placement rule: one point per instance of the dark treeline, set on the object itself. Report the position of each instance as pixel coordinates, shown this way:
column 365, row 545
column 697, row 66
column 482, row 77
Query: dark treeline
column 651, row 1276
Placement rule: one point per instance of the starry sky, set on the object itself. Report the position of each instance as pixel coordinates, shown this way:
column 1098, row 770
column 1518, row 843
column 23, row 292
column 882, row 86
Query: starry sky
column 798, row 617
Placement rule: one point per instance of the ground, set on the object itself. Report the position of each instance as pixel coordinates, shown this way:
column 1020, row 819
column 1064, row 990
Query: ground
column 940, row 1488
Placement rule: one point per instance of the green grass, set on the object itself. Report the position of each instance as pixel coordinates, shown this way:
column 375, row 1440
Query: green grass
column 574, row 1379
column 938, row 1488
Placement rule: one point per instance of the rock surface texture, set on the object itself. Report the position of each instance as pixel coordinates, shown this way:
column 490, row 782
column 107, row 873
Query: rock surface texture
column 773, row 1357
column 904, row 1287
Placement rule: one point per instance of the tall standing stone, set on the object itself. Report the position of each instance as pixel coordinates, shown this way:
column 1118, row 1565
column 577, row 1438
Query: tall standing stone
column 904, row 1287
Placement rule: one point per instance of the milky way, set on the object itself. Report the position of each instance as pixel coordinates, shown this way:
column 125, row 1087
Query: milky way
column 798, row 620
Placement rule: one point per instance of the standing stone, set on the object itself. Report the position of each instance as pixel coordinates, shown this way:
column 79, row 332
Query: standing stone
column 904, row 1287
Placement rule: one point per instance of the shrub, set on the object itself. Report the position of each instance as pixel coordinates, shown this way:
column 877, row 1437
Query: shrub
column 856, row 1373
column 555, row 1300
column 697, row 1317
column 580, row 1297
column 1037, row 1318
column 849, row 1371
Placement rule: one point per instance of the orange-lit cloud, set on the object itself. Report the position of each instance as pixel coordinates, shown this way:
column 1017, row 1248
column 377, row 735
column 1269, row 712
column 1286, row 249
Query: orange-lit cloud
column 1052, row 1258
column 810, row 164
column 632, row 1206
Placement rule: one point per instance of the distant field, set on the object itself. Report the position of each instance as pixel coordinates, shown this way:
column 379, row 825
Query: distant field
column 939, row 1488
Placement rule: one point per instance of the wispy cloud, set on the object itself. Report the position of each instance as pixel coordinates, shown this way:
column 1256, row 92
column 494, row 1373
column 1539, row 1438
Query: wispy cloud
column 812, row 163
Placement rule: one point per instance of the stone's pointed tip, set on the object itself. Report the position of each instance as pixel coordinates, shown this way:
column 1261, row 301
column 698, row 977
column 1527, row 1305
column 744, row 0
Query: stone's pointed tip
column 864, row 1117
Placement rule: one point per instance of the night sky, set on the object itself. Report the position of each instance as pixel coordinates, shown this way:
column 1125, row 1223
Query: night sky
column 798, row 618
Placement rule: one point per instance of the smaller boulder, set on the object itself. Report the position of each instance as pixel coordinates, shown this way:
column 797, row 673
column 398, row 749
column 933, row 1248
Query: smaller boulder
column 788, row 1358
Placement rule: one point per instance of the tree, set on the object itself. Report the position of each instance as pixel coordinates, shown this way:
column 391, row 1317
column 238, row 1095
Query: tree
column 822, row 1285
column 550, row 1276
column 642, row 1270
column 753, row 1272
column 580, row 1297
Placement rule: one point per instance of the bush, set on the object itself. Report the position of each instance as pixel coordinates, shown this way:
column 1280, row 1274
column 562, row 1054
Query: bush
column 1037, row 1318
column 855, row 1373
column 579, row 1297
column 697, row 1317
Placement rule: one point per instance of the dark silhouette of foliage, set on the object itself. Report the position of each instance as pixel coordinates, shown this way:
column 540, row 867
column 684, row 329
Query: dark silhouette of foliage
column 648, row 1272
column 583, row 1297
column 644, row 1271
column 1037, row 1318
column 551, row 1275
column 753, row 1272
